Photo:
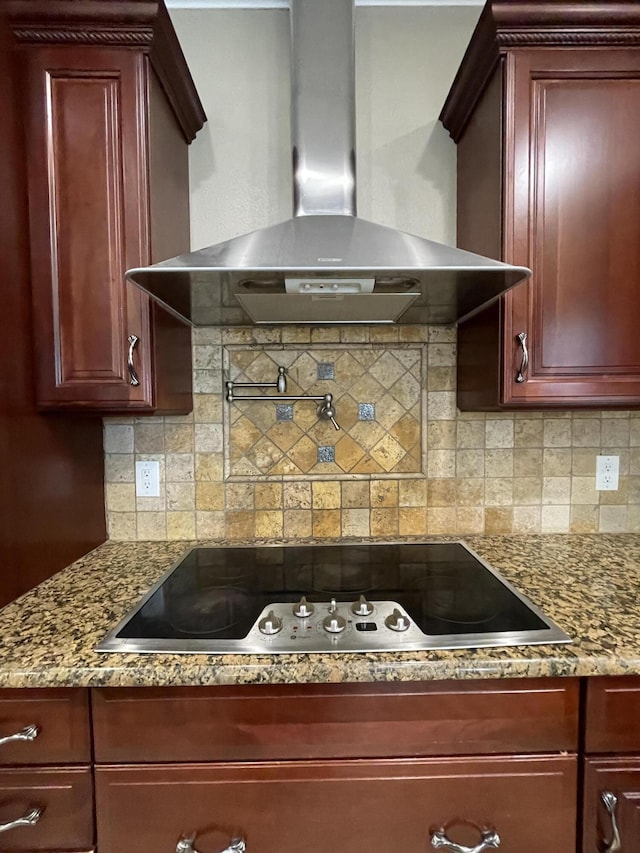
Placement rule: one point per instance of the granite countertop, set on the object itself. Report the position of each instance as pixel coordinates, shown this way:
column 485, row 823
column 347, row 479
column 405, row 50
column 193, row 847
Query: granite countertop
column 586, row 583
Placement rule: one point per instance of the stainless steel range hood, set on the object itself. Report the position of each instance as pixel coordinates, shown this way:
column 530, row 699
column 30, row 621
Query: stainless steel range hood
column 325, row 265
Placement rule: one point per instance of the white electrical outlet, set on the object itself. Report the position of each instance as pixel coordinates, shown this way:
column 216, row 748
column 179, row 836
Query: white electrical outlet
column 607, row 471
column 148, row 479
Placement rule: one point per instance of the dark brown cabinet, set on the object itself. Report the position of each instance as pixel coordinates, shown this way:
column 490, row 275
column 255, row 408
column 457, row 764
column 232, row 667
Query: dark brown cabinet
column 46, row 782
column 365, row 768
column 111, row 109
column 544, row 111
column 611, row 811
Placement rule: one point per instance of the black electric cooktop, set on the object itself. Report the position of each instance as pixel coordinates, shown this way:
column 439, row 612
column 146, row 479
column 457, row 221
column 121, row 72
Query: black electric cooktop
column 323, row 598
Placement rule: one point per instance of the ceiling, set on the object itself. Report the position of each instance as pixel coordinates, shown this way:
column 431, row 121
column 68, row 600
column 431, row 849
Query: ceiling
column 284, row 4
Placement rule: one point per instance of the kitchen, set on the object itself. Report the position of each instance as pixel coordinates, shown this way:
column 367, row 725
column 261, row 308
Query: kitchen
column 522, row 473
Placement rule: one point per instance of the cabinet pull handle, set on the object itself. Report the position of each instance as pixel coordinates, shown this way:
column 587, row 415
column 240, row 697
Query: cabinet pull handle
column 610, row 801
column 28, row 733
column 522, row 341
column 490, row 838
column 133, row 376
column 30, row 819
column 185, row 845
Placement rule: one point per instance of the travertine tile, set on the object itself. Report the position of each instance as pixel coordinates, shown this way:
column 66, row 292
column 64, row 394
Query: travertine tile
column 557, row 461
column 297, row 523
column 527, row 491
column 268, row 496
column 178, row 439
column 326, row 495
column 384, row 522
column 210, row 525
column 297, row 495
column 441, row 520
column 498, row 491
column 120, row 497
column 613, row 519
column 441, row 492
column 413, row 493
column 498, row 463
column 499, row 433
column 441, row 435
column 470, row 434
column 557, row 433
column 118, row 438
column 119, row 468
column 355, row 494
column 240, row 496
column 209, row 466
column 269, row 523
column 526, row 519
column 149, row 438
column 355, row 522
column 469, row 520
column 527, row 432
column 615, row 432
column 555, row 519
column 470, row 492
column 122, row 526
column 384, row 493
column 181, row 525
column 527, row 462
column 326, row 522
column 556, row 490
column 210, row 496
column 585, row 518
column 469, row 463
column 180, row 496
column 240, row 524
column 412, row 521
column 152, row 526
column 498, row 520
column 586, row 433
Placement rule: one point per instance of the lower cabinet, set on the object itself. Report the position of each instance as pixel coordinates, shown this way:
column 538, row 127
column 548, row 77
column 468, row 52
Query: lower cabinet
column 46, row 808
column 355, row 806
column 611, row 814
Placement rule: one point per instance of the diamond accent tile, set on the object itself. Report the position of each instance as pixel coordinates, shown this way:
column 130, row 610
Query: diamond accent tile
column 326, row 453
column 284, row 412
column 326, row 371
column 366, row 411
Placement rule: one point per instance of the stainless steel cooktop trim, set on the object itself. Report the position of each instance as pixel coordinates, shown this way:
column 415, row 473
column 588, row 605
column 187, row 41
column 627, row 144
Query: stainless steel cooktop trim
column 554, row 634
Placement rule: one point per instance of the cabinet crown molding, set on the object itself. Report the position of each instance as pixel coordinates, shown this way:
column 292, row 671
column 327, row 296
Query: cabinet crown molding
column 505, row 25
column 142, row 24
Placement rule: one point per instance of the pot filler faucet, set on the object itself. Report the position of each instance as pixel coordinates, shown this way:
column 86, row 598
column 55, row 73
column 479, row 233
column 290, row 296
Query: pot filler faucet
column 326, row 410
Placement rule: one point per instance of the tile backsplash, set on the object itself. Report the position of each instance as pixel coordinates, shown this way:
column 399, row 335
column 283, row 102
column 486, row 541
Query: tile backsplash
column 405, row 461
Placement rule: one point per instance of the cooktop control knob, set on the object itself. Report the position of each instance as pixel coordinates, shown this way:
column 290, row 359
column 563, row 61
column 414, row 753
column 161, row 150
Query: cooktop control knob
column 396, row 621
column 334, row 623
column 303, row 609
column 362, row 607
column 271, row 624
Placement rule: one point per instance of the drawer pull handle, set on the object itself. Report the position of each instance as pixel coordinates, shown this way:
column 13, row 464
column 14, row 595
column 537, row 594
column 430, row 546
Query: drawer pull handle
column 30, row 819
column 610, row 802
column 490, row 838
column 522, row 341
column 133, row 376
column 185, row 845
column 28, row 733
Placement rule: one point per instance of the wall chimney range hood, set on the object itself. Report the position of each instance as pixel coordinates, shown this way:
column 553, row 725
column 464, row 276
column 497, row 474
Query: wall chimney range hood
column 325, row 265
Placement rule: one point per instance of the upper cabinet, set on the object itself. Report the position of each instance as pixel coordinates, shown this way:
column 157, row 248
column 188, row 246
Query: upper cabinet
column 545, row 111
column 111, row 109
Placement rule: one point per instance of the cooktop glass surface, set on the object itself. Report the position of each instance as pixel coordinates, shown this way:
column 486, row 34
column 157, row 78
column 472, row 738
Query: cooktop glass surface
column 214, row 597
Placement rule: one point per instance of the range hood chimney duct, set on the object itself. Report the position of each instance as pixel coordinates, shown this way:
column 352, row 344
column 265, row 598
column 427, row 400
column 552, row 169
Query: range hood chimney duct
column 325, row 265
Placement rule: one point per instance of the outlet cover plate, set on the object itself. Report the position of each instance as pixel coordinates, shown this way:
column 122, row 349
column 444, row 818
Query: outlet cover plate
column 607, row 473
column 148, row 479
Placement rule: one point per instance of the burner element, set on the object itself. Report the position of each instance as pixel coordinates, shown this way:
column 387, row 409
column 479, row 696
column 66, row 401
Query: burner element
column 362, row 607
column 303, row 609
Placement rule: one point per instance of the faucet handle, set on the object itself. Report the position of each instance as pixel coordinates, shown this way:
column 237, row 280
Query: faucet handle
column 327, row 411
column 281, row 381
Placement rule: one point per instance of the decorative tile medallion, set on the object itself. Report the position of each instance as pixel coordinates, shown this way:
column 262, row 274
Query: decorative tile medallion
column 383, row 438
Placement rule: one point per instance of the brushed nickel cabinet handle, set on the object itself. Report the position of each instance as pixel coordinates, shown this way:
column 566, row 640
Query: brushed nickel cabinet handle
column 610, row 801
column 490, row 838
column 133, row 376
column 185, row 845
column 29, row 733
column 30, row 819
column 522, row 341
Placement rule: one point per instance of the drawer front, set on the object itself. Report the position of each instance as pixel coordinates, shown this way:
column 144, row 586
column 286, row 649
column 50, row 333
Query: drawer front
column 358, row 806
column 64, row 796
column 335, row 721
column 613, row 709
column 44, row 726
column 619, row 777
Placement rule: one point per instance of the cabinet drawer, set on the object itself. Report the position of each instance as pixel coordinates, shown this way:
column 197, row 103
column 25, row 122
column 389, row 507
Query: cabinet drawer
column 61, row 718
column 334, row 721
column 360, row 807
column 613, row 708
column 64, row 796
column 620, row 777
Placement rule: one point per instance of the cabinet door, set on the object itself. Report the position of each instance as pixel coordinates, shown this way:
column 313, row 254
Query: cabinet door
column 356, row 806
column 45, row 809
column 572, row 214
column 611, row 804
column 86, row 138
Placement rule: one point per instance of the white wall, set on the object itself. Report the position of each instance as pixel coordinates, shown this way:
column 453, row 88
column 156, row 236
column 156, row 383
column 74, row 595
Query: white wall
column 240, row 161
